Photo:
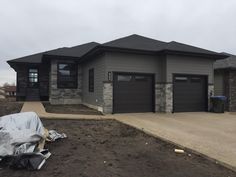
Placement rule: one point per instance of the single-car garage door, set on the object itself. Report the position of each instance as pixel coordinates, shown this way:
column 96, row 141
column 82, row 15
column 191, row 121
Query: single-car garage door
column 190, row 93
column 132, row 93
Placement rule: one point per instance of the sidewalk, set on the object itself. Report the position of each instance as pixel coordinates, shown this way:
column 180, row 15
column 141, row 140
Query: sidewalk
column 38, row 108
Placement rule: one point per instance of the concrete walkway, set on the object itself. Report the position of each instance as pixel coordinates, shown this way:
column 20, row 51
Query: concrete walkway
column 40, row 110
column 212, row 135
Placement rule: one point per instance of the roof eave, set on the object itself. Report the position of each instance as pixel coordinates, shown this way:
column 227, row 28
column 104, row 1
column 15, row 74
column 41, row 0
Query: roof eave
column 226, row 68
column 213, row 56
column 101, row 48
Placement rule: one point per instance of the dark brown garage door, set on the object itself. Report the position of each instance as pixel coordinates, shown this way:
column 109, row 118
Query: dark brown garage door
column 132, row 93
column 190, row 93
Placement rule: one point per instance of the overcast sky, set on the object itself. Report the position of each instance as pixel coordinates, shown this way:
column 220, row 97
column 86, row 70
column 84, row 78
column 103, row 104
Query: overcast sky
column 31, row 26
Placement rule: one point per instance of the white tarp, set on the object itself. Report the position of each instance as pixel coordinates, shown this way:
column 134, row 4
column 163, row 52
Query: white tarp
column 19, row 133
column 22, row 138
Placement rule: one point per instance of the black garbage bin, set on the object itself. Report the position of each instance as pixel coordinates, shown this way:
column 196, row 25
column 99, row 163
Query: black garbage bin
column 218, row 104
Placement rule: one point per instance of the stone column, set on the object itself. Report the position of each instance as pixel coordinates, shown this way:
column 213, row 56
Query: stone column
column 210, row 93
column 164, row 97
column 232, row 91
column 53, row 80
column 169, row 98
column 159, row 97
column 107, row 97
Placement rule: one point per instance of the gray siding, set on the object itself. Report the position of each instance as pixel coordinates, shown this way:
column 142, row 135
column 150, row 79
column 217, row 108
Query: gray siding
column 96, row 97
column 189, row 65
column 124, row 62
column 219, row 82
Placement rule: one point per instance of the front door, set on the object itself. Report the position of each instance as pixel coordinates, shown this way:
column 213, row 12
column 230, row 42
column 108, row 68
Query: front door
column 33, row 85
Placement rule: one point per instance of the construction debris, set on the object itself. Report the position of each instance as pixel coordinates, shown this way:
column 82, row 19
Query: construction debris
column 22, row 140
column 181, row 151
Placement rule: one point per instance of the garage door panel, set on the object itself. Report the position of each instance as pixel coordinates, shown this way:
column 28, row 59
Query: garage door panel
column 190, row 93
column 133, row 93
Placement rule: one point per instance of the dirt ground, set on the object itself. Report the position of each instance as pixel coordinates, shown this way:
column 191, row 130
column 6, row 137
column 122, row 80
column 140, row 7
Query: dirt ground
column 70, row 109
column 111, row 149
column 9, row 107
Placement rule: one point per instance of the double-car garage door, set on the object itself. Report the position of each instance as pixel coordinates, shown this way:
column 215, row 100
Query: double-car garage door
column 135, row 93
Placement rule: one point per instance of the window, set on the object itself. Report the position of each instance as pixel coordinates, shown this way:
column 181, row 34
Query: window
column 91, row 80
column 141, row 78
column 124, row 78
column 195, row 79
column 181, row 79
column 67, row 75
column 33, row 77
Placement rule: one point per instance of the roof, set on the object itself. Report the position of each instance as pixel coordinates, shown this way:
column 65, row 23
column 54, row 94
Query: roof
column 136, row 42
column 176, row 46
column 76, row 51
column 10, row 88
column 227, row 63
column 143, row 43
column 132, row 42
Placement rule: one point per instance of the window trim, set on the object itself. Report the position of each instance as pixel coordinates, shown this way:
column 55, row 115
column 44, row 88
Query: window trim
column 91, row 87
column 58, row 77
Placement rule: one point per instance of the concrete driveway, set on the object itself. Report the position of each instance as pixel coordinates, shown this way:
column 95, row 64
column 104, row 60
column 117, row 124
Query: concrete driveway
column 213, row 135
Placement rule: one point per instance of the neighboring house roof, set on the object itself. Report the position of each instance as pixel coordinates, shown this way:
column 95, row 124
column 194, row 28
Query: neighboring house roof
column 10, row 89
column 228, row 63
column 132, row 42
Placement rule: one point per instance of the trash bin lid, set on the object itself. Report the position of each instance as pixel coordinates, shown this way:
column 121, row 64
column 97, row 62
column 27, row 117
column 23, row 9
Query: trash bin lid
column 224, row 98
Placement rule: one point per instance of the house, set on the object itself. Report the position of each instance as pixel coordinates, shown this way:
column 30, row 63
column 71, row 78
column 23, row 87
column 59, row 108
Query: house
column 2, row 93
column 225, row 80
column 10, row 91
column 130, row 74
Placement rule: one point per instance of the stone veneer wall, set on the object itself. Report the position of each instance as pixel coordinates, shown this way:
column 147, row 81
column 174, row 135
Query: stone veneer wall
column 210, row 93
column 232, row 90
column 107, row 97
column 164, row 97
column 64, row 96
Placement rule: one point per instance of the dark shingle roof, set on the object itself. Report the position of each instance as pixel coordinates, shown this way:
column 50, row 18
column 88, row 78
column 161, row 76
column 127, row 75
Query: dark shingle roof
column 76, row 51
column 35, row 58
column 132, row 42
column 176, row 46
column 136, row 42
column 143, row 43
column 229, row 62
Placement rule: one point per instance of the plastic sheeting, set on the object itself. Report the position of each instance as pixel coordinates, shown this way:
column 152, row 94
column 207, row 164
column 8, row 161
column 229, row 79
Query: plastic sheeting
column 18, row 129
column 20, row 138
